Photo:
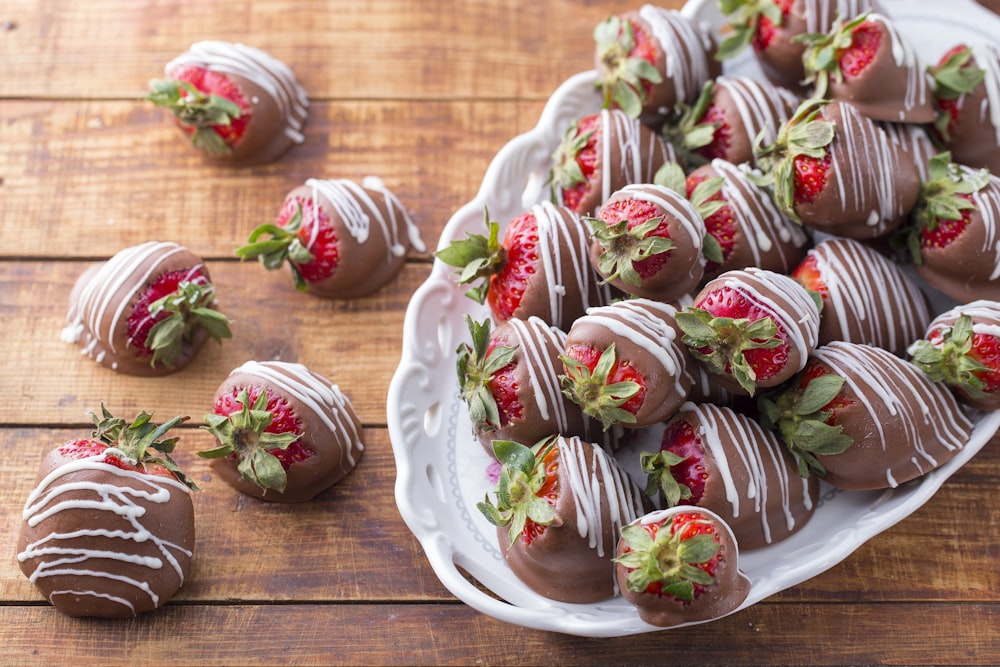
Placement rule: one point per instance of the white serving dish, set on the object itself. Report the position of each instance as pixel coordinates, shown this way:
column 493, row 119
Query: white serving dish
column 442, row 471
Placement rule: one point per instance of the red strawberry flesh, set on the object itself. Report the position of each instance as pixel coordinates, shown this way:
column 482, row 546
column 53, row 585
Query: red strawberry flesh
column 84, row 448
column 945, row 231
column 767, row 31
column 810, row 176
column 621, row 371
column 140, row 322
column 586, row 159
column 283, row 421
column 508, row 285
column 316, row 234
column 721, row 224
column 680, row 439
column 986, row 350
column 504, row 387
column 725, row 302
column 807, row 273
column 865, row 40
column 211, row 82
column 688, row 524
column 636, row 212
column 548, row 491
column 721, row 138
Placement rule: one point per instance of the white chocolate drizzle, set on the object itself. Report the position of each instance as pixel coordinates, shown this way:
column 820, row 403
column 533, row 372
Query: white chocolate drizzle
column 686, row 46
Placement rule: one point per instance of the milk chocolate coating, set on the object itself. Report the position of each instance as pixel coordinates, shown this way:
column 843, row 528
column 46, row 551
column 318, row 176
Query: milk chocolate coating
column 571, row 560
column 752, row 481
column 729, row 589
column 545, row 410
column 374, row 234
column 870, row 299
column 751, row 109
column 278, row 103
column 915, row 141
column 985, row 317
column 685, row 262
column 975, row 134
column 627, row 152
column 330, row 427
column 102, row 300
column 646, row 337
column 895, row 86
column 903, row 425
column 125, row 539
column 765, row 237
column 872, row 184
column 968, row 268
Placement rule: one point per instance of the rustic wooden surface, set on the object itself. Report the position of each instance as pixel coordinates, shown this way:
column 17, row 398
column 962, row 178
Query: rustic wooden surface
column 421, row 94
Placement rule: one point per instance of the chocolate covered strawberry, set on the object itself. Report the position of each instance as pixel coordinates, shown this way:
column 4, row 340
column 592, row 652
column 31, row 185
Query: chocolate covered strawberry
column 867, row 298
column 751, row 327
column 732, row 113
column 146, row 311
column 284, row 432
column 915, row 141
column 863, row 418
column 834, row 170
column 967, row 96
column 236, row 103
column 559, row 507
column 680, row 565
column 652, row 59
column 647, row 241
column 601, row 153
column 109, row 530
column 864, row 60
column 961, row 348
column 953, row 238
column 509, row 379
column 624, row 363
column 539, row 269
column 747, row 229
column 341, row 240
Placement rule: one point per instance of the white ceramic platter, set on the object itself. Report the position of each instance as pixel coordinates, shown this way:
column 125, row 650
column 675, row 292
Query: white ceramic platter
column 441, row 470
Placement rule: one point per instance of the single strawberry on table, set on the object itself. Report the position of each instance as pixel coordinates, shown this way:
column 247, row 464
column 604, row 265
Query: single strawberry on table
column 285, row 433
column 146, row 311
column 559, row 507
column 652, row 59
column 866, row 61
column 340, row 239
column 237, row 104
column 863, row 418
column 718, row 459
column 752, row 328
column 680, row 565
column 625, row 365
column 834, row 170
column 961, row 348
column 952, row 237
column 601, row 153
column 108, row 530
column 539, row 269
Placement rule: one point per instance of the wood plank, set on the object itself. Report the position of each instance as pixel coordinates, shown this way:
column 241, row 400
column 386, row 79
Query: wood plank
column 451, row 634
column 84, row 179
column 388, row 49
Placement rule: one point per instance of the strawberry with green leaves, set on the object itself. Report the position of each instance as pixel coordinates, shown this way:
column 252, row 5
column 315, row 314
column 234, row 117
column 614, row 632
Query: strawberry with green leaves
column 559, row 506
column 652, row 59
column 967, row 96
column 146, row 311
column 284, row 433
column 109, row 529
column 624, row 363
column 680, row 565
column 863, row 418
column 834, row 170
column 508, row 377
column 752, row 328
column 237, row 104
column 540, row 267
column 952, row 238
column 961, row 348
column 865, row 60
column 600, row 154
column 721, row 460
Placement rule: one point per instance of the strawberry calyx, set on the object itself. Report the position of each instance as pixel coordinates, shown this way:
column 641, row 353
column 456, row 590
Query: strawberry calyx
column 244, row 434
column 479, row 258
column 705, row 194
column 179, row 314
column 691, row 131
column 944, row 203
column 598, row 391
column 670, row 559
column 625, row 77
column 626, row 243
column 822, row 59
column 954, row 76
column 949, row 357
column 138, row 445
column 745, row 18
column 477, row 365
column 567, row 174
column 283, row 244
column 803, row 136
column 802, row 415
column 202, row 113
column 521, row 499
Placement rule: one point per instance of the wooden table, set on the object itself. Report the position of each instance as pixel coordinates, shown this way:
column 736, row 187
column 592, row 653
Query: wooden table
column 421, row 94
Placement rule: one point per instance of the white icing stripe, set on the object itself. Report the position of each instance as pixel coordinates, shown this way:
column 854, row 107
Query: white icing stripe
column 559, row 228
column 686, row 47
column 673, row 204
column 634, row 166
column 536, row 340
column 761, row 106
column 917, row 80
column 987, row 57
